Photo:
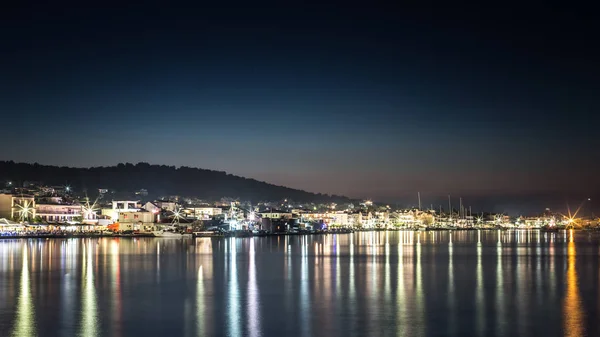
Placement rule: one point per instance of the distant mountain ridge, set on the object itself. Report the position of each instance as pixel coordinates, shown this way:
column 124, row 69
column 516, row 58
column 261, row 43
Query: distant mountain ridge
column 158, row 180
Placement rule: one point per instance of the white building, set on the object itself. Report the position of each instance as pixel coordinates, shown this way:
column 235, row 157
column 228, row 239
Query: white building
column 339, row 218
column 136, row 220
column 59, row 213
column 119, row 206
column 276, row 214
column 151, row 207
column 167, row 205
column 204, row 213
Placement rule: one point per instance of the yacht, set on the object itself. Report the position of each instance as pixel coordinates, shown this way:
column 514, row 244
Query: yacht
column 170, row 234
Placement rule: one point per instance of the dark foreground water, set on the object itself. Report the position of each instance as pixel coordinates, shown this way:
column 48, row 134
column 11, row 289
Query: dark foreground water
column 472, row 283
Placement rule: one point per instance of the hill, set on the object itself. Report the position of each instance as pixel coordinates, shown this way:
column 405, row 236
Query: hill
column 158, row 180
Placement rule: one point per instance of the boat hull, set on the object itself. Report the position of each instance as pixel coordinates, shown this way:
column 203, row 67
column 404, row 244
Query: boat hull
column 171, row 235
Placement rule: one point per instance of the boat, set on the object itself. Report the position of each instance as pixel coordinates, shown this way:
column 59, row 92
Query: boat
column 260, row 232
column 552, row 229
column 171, row 235
column 208, row 234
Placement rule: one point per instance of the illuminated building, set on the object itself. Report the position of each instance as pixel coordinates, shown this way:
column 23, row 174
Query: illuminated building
column 276, row 214
column 137, row 220
column 58, row 213
column 18, row 207
column 119, row 206
column 203, row 213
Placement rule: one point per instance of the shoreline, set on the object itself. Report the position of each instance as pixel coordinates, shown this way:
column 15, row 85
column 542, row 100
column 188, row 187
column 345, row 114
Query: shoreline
column 150, row 235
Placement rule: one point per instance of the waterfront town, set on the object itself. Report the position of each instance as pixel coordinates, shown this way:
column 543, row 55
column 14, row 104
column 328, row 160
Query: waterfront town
column 35, row 209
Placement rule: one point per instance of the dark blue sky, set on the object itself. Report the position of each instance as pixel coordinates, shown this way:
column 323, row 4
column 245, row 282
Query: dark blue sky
column 374, row 102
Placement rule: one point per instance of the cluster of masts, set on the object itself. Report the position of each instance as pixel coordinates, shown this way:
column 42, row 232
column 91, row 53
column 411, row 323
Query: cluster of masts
column 462, row 210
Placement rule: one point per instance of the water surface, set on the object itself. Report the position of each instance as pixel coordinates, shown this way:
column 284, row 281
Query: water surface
column 464, row 283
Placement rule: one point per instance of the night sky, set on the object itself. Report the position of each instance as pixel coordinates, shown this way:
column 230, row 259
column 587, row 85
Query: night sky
column 377, row 102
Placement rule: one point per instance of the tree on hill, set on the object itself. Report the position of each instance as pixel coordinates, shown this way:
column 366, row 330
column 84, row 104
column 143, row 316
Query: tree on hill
column 158, row 180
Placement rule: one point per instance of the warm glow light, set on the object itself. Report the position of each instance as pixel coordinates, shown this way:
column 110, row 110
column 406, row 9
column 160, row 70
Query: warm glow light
column 25, row 210
column 89, row 211
column 25, row 321
column 573, row 312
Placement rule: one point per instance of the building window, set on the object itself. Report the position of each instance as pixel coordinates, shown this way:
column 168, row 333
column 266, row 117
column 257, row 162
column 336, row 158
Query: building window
column 124, row 216
column 136, row 216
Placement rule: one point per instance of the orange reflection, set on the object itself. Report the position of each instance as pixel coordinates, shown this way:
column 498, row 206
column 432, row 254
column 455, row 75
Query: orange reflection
column 572, row 310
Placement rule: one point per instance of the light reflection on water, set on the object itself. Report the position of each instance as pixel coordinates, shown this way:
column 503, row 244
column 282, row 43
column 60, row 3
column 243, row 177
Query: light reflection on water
column 253, row 303
column 573, row 311
column 25, row 321
column 89, row 312
column 500, row 288
column 464, row 283
column 480, row 301
column 233, row 291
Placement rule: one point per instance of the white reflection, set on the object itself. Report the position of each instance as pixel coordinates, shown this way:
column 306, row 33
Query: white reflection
column 451, row 294
column 338, row 281
column 372, row 285
column 25, row 321
column 522, row 285
column 288, row 277
column 305, row 313
column 234, row 314
column 253, row 305
column 200, row 305
column 89, row 319
column 401, row 305
column 352, row 284
column 499, row 287
column 420, row 301
column 480, row 301
column 387, row 277
column 68, row 279
column 158, row 261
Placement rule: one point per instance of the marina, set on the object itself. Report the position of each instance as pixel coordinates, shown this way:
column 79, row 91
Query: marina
column 406, row 283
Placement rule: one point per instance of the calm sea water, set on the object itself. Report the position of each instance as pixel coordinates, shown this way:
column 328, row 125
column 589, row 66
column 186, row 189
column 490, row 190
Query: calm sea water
column 471, row 283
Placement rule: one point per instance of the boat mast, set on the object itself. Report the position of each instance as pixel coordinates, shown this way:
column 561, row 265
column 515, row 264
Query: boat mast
column 450, row 208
